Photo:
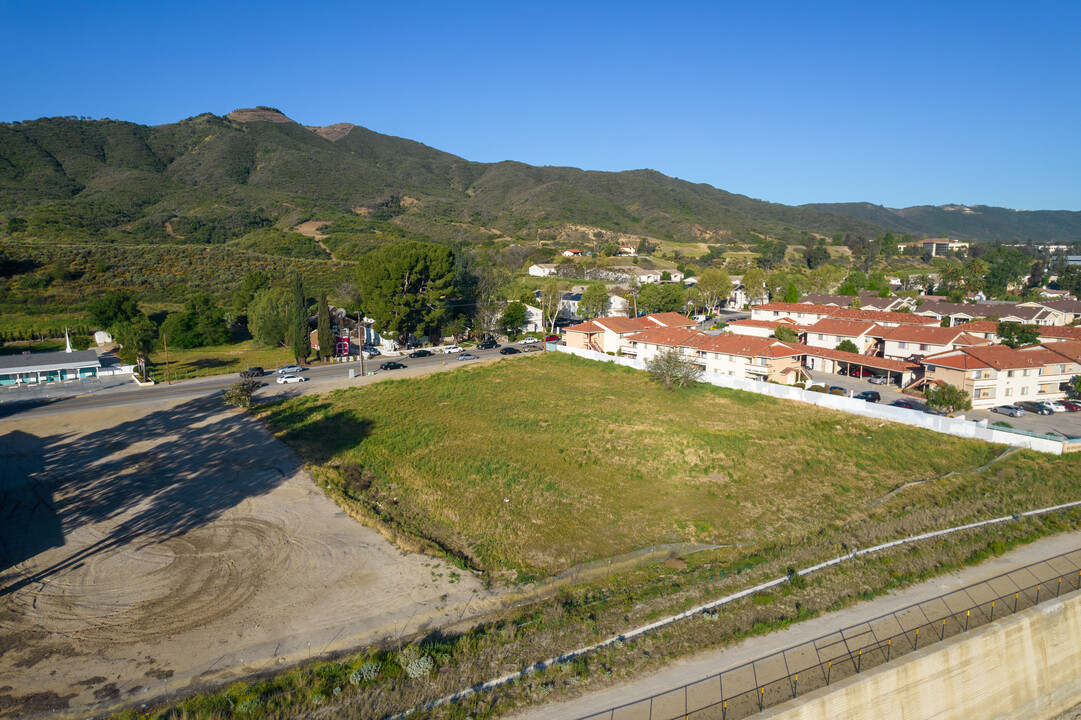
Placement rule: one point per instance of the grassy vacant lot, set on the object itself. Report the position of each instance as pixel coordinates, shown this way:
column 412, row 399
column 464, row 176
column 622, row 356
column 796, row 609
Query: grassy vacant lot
column 217, row 360
column 545, row 462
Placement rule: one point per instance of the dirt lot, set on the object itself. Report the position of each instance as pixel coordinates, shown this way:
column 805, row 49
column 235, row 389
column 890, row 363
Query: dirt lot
column 145, row 550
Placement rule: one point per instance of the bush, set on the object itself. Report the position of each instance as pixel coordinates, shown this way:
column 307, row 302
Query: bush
column 240, row 393
column 365, row 673
column 420, row 667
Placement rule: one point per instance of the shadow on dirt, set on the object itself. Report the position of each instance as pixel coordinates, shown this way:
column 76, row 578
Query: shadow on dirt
column 146, row 480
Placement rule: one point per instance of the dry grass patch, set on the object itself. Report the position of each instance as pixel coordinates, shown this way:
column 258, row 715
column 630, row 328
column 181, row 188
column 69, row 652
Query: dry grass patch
column 546, row 462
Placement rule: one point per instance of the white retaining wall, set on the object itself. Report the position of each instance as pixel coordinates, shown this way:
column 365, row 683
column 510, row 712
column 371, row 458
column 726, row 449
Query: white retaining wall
column 946, row 425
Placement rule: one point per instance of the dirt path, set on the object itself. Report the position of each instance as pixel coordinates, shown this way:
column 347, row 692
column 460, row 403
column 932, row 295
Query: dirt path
column 150, row 549
column 708, row 663
column 311, row 229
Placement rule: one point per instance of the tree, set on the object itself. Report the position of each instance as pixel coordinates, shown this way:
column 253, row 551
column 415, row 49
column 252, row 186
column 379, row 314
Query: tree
column 199, row 324
column 654, row 298
column 136, row 336
column 1016, row 335
column 457, row 328
column 754, row 283
column 299, row 333
column 405, row 287
column 645, row 247
column 255, row 281
column 791, row 295
column 1075, row 383
column 551, row 301
column 715, row 286
column 670, row 368
column 323, row 333
column 825, row 278
column 594, row 302
column 239, row 394
column 514, row 317
column 848, row 346
column 948, row 398
column 786, row 334
column 114, row 307
column 268, row 317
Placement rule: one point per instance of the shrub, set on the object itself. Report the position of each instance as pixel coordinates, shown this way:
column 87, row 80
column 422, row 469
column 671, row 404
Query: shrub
column 240, row 393
column 365, row 673
column 420, row 667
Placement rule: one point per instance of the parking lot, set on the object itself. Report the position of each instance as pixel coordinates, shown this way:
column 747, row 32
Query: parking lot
column 1060, row 424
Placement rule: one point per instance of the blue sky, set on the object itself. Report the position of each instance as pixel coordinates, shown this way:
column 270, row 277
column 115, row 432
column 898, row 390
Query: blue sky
column 892, row 103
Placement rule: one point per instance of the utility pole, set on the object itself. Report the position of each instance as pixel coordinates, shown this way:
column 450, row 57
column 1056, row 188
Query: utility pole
column 166, row 346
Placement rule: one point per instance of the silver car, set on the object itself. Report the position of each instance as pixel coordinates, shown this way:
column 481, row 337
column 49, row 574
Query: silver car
column 1010, row 410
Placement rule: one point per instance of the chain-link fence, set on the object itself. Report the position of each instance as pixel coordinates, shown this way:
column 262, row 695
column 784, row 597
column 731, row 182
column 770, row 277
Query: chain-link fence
column 748, row 689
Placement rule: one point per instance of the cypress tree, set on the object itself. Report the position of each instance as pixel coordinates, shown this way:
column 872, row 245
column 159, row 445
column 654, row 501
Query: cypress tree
column 300, row 340
column 325, row 337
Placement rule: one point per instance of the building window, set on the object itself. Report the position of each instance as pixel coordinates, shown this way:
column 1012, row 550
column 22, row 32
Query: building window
column 923, row 346
column 902, row 345
column 1009, row 373
column 1026, row 372
column 821, row 336
column 1009, row 392
column 1024, row 391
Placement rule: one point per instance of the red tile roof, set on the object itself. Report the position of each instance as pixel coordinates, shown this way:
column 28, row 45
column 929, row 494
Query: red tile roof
column 930, row 334
column 797, row 308
column 1058, row 331
column 587, row 327
column 1055, row 352
column 865, row 360
column 623, row 324
column 747, row 346
column 768, row 324
column 837, row 326
column 670, row 319
column 997, row 357
column 881, row 317
column 671, row 337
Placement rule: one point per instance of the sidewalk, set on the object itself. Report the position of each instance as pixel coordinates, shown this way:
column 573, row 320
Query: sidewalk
column 681, row 672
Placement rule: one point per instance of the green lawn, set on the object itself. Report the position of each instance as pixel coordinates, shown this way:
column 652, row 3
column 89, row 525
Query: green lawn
column 217, row 360
column 540, row 463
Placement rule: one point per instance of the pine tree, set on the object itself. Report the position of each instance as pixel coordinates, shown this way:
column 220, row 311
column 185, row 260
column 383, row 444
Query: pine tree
column 300, row 340
column 325, row 337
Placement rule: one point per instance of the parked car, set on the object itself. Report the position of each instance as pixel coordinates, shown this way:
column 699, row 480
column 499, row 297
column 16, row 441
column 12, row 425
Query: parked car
column 392, row 366
column 290, row 369
column 1038, row 408
column 253, row 373
column 551, row 338
column 857, row 372
column 529, row 341
column 907, row 404
column 530, row 348
column 509, row 351
column 370, row 350
column 1011, row 410
column 287, row 379
column 488, row 345
column 452, row 349
column 869, row 396
column 1071, row 405
column 420, row 353
column 1055, row 405
column 467, row 356
column 881, row 380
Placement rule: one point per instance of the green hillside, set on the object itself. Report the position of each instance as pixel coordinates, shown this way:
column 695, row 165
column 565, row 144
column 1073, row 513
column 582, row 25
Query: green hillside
column 979, row 222
column 212, row 180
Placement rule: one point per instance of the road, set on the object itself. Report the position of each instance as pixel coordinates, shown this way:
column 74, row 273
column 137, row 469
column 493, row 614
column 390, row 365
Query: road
column 320, row 378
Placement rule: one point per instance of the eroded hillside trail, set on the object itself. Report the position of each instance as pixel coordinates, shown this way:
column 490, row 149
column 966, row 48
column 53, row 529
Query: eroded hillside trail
column 311, row 229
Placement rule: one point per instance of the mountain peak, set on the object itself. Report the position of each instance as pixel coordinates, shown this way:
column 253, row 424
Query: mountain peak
column 260, row 113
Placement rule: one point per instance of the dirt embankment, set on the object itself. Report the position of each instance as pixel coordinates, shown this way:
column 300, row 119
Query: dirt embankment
column 311, row 229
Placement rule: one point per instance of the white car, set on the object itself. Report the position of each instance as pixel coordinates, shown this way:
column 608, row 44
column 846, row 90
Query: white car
column 529, row 341
column 1055, row 405
column 289, row 370
column 452, row 349
column 286, row 379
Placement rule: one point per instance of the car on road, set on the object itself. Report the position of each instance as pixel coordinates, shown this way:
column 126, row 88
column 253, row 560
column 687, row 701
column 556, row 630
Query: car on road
column 907, row 404
column 551, row 338
column 288, row 379
column 1071, row 405
column 869, row 395
column 467, row 356
column 881, row 380
column 1011, row 410
column 487, row 344
column 529, row 341
column 452, row 349
column 392, row 366
column 253, row 373
column 1039, row 408
column 509, row 351
column 290, row 369
column 420, row 353
column 857, row 372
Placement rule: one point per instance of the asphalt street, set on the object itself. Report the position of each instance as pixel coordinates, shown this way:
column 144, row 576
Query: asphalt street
column 122, row 390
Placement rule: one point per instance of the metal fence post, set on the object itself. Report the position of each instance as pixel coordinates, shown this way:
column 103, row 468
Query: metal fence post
column 992, row 611
column 1037, row 594
column 889, row 648
column 829, row 671
column 1015, row 601
column 916, row 646
column 967, row 613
